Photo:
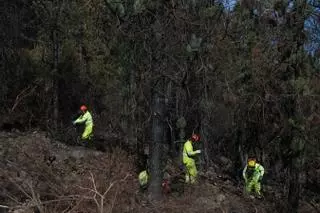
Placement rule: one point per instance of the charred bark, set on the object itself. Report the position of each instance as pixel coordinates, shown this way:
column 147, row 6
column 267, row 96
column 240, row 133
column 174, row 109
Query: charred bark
column 157, row 142
column 294, row 188
column 55, row 76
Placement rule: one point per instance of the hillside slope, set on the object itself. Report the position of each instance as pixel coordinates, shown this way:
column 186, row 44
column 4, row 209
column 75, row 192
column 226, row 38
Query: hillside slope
column 42, row 175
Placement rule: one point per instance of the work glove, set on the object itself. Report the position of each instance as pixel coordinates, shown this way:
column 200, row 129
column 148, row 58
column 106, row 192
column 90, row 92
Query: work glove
column 198, row 151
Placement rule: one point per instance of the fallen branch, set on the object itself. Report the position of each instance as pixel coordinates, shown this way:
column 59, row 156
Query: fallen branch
column 99, row 197
column 23, row 94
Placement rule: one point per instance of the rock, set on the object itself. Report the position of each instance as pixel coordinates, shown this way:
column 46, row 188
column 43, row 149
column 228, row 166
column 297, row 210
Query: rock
column 220, row 198
column 77, row 154
column 211, row 172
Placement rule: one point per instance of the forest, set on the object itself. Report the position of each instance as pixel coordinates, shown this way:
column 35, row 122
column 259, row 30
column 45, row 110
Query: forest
column 243, row 74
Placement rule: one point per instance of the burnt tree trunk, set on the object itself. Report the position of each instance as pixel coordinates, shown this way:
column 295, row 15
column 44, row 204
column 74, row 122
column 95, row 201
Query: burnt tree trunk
column 292, row 110
column 157, row 142
column 55, row 28
column 294, row 188
column 204, row 126
column 293, row 193
column 132, row 130
column 55, row 76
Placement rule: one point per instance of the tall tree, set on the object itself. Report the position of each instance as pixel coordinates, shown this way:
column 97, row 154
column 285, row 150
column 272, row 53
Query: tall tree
column 157, row 140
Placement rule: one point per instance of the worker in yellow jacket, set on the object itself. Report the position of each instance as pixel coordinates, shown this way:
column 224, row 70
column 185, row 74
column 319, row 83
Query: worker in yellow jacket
column 143, row 179
column 252, row 174
column 85, row 118
column 188, row 159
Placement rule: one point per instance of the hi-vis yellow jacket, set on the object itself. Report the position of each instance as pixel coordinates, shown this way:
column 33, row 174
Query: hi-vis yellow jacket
column 188, row 152
column 143, row 178
column 85, row 118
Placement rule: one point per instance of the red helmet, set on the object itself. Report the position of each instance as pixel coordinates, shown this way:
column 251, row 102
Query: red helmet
column 83, row 108
column 195, row 137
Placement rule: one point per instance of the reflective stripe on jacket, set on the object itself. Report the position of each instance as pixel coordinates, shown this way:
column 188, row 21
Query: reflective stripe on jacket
column 86, row 117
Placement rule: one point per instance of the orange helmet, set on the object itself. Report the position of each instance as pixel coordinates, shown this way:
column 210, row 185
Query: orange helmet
column 252, row 162
column 83, row 108
column 195, row 137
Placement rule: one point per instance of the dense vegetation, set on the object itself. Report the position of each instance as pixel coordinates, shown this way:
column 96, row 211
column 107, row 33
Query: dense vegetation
column 153, row 72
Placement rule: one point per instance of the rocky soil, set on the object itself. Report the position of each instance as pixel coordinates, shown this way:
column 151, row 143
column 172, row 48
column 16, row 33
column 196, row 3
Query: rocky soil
column 42, row 175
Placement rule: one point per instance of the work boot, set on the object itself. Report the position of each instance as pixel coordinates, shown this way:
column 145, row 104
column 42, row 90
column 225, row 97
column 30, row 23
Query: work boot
column 260, row 197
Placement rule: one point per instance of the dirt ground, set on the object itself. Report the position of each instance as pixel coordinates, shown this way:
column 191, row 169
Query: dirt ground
column 42, row 175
